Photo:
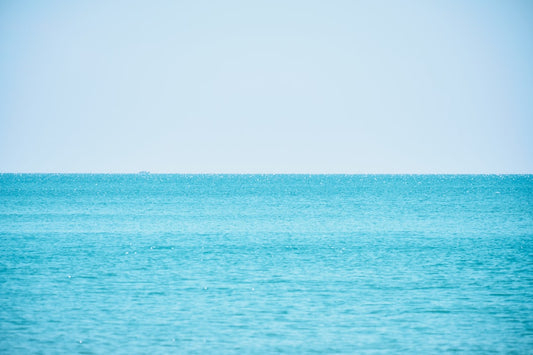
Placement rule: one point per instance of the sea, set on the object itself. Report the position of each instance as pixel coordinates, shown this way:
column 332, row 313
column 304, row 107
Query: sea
column 259, row 264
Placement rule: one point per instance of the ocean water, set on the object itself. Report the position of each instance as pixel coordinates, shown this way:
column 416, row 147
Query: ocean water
column 99, row 264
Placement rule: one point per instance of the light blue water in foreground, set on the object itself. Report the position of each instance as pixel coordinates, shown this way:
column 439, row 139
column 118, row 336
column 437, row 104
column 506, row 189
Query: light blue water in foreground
column 265, row 263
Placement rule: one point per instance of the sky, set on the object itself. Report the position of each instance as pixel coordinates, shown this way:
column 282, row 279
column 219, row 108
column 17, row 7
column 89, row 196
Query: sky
column 266, row 86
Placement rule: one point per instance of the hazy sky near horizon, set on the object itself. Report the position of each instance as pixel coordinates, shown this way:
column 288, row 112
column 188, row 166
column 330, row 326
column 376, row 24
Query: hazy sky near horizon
column 266, row 86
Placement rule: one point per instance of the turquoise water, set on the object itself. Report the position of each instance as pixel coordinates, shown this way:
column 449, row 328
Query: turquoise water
column 100, row 264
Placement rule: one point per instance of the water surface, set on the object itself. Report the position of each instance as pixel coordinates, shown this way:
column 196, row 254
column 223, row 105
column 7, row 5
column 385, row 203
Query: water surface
column 266, row 263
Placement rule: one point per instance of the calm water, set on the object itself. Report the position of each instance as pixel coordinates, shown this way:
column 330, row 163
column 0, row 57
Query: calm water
column 265, row 263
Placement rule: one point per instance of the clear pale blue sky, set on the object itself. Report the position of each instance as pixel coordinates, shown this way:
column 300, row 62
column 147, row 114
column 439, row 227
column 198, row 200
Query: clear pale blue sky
column 266, row 86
